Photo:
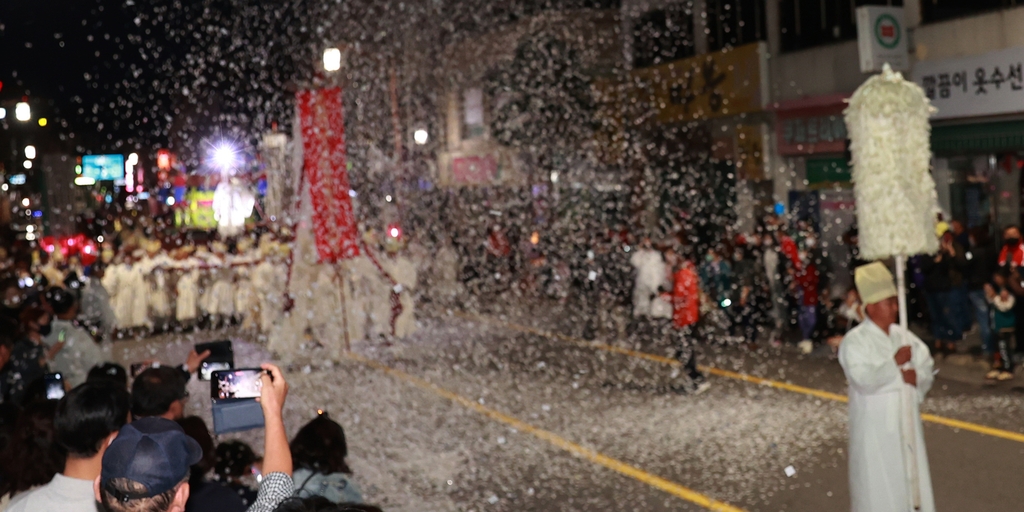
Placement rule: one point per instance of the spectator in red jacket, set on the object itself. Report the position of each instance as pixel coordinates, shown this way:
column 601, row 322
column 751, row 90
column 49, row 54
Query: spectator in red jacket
column 685, row 315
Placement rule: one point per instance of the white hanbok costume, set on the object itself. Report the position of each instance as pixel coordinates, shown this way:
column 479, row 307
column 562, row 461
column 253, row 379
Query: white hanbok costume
column 269, row 280
column 186, row 306
column 879, row 480
column 221, row 293
column 131, row 305
column 651, row 272
column 154, row 267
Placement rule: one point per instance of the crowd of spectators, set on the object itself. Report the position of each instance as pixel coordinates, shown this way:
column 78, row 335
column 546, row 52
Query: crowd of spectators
column 780, row 281
column 103, row 447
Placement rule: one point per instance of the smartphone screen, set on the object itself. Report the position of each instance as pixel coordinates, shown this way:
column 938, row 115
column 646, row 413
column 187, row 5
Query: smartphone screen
column 222, row 357
column 244, row 383
column 54, row 386
column 207, row 368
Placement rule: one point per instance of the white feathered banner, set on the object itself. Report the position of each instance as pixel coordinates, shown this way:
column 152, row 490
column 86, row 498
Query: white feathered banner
column 887, row 119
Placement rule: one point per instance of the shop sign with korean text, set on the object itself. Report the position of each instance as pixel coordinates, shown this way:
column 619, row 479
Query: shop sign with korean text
column 881, row 38
column 980, row 85
column 811, row 130
column 719, row 84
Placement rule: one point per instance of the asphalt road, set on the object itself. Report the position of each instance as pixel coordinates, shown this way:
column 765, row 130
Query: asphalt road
column 474, row 415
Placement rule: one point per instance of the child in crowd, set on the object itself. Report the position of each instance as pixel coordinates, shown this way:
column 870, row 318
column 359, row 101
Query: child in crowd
column 1004, row 324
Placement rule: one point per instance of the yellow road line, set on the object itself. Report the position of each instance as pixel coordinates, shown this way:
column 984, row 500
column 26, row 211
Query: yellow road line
column 554, row 439
column 940, row 420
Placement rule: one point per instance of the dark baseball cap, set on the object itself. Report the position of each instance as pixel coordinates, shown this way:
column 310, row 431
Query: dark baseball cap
column 154, row 452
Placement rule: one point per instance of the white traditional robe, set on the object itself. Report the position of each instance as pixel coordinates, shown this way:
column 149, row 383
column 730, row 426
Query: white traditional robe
column 156, row 278
column 186, row 306
column 651, row 272
column 130, row 299
column 359, row 296
column 269, row 280
column 879, row 480
column 245, row 293
column 221, row 300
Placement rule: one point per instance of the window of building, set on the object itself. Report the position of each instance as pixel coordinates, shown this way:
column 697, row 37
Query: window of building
column 473, row 113
column 810, row 23
column 941, row 10
column 735, row 22
column 663, row 36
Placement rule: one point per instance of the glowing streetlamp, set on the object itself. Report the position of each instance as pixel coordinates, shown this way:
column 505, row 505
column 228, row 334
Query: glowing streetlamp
column 30, row 152
column 224, row 157
column 22, row 112
column 332, row 59
column 420, row 136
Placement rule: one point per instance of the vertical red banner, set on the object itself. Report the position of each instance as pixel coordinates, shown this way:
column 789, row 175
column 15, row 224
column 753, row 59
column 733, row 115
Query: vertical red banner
column 324, row 164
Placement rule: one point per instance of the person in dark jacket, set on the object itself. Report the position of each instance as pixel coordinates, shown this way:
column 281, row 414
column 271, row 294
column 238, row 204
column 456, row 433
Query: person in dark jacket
column 981, row 266
column 943, row 275
column 206, row 494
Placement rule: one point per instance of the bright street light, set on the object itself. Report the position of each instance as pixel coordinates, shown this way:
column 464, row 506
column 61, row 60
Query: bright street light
column 224, row 156
column 22, row 111
column 27, row 164
column 25, row 202
column 3, row 113
column 420, row 136
column 30, row 152
column 332, row 59
column 133, row 159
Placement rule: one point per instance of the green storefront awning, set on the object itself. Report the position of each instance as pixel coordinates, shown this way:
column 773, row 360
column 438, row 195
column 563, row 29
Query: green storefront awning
column 978, row 138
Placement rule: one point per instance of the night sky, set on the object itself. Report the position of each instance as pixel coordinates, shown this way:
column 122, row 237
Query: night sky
column 145, row 74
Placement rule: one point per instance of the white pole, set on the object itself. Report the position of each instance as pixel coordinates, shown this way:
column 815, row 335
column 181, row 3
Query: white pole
column 909, row 395
column 901, row 285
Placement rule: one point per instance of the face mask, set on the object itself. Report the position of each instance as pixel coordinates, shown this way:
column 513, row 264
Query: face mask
column 1012, row 242
column 45, row 330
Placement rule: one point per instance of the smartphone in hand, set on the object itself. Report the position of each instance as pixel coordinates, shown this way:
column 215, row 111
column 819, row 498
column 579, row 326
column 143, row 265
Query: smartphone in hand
column 222, row 357
column 54, row 386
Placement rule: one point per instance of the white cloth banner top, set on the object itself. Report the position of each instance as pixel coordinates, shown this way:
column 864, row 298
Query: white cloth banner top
column 979, row 85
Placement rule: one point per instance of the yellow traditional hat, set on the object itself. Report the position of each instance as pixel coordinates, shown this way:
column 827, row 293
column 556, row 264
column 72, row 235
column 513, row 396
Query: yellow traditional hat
column 874, row 283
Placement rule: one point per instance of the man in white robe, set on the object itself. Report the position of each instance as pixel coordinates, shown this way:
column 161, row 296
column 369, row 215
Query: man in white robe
column 186, row 304
column 269, row 280
column 650, row 274
column 889, row 370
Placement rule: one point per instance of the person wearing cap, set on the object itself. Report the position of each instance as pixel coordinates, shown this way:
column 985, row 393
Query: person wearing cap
column 146, row 467
column 79, row 352
column 87, row 420
column 881, row 359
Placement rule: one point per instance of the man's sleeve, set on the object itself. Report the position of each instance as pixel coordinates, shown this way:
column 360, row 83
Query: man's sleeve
column 868, row 372
column 924, row 365
column 274, row 489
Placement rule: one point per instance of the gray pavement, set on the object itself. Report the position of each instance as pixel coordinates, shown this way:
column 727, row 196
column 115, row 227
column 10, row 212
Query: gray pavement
column 412, row 449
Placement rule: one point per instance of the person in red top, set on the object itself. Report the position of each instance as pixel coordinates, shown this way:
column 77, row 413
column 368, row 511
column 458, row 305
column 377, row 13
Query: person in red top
column 1012, row 254
column 807, row 292
column 685, row 315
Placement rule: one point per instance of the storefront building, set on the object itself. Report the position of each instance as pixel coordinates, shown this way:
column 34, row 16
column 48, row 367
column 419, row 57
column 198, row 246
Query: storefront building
column 977, row 135
column 705, row 129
